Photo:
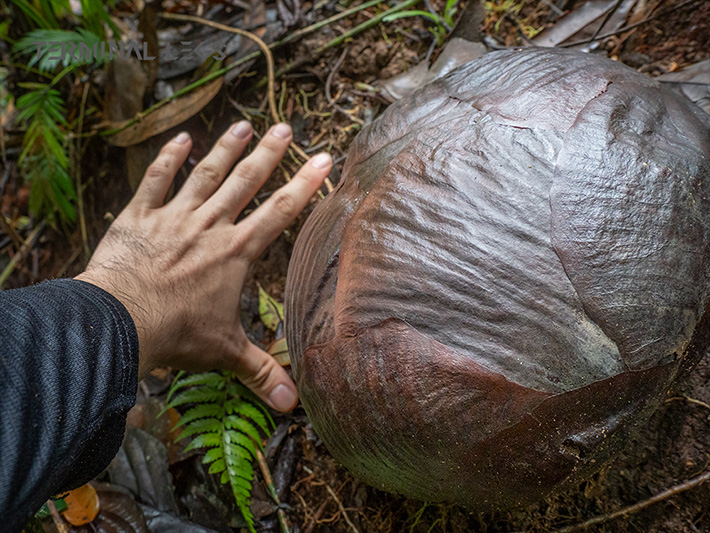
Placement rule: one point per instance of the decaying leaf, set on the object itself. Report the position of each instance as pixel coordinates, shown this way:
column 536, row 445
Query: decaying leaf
column 141, row 466
column 119, row 512
column 279, row 350
column 145, row 416
column 583, row 22
column 168, row 116
column 82, row 505
column 456, row 52
column 126, row 84
column 693, row 82
column 271, row 312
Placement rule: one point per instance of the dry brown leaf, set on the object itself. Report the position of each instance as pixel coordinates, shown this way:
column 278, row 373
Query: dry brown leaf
column 166, row 117
column 279, row 350
column 82, row 505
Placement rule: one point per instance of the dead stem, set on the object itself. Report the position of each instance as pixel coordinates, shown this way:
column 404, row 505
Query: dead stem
column 283, row 519
column 690, row 400
column 20, row 254
column 676, row 489
column 342, row 509
column 77, row 169
column 264, row 48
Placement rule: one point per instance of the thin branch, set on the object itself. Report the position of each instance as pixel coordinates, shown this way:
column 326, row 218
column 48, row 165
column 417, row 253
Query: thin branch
column 342, row 509
column 264, row 49
column 606, row 18
column 677, row 489
column 631, row 26
column 20, row 254
column 220, row 72
column 77, row 170
column 264, row 467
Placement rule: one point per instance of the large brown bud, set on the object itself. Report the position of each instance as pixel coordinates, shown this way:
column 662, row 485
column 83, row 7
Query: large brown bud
column 509, row 277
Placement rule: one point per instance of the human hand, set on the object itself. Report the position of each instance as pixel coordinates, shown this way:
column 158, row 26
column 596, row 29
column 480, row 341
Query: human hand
column 179, row 268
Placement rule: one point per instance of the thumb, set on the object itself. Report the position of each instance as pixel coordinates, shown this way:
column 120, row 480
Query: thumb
column 266, row 378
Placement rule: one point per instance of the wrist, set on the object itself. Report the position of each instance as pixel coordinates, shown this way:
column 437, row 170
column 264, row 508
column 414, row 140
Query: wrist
column 135, row 310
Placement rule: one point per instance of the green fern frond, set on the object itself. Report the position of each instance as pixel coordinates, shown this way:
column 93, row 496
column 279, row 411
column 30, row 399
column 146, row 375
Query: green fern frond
column 247, row 410
column 200, row 411
column 202, row 394
column 206, row 378
column 229, row 421
column 68, row 47
column 203, row 425
column 206, row 440
column 43, row 159
column 213, row 455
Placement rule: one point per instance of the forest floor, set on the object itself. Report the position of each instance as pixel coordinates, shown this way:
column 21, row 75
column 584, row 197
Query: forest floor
column 319, row 495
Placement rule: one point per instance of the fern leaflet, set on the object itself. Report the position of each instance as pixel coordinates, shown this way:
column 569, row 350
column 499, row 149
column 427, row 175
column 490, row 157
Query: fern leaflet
column 228, row 420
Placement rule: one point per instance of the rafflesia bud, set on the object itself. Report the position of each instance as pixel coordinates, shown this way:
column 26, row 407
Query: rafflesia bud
column 511, row 274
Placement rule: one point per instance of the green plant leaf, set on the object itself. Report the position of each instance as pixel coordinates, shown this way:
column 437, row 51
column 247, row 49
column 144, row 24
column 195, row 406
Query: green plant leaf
column 243, row 425
column 52, row 47
column 203, row 425
column 217, row 467
column 271, row 312
column 412, row 13
column 206, row 440
column 228, row 420
column 214, row 379
column 200, row 411
column 247, row 410
column 212, row 455
column 196, row 395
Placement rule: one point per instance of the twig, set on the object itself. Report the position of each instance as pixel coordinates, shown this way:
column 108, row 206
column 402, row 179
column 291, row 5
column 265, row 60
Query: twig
column 690, row 400
column 606, row 18
column 517, row 24
column 77, row 169
column 58, row 522
column 333, row 73
column 20, row 254
column 316, row 516
column 630, row 26
column 202, row 81
column 68, row 263
column 341, row 39
column 283, row 519
column 264, row 48
column 677, row 489
column 342, row 509
column 554, row 8
column 5, row 178
column 10, row 232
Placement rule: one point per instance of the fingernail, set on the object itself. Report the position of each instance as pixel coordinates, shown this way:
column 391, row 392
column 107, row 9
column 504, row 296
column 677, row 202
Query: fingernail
column 282, row 131
column 241, row 129
column 321, row 160
column 182, row 138
column 282, row 398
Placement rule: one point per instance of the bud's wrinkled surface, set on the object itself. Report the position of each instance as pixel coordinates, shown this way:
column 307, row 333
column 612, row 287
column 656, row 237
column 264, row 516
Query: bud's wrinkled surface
column 510, row 275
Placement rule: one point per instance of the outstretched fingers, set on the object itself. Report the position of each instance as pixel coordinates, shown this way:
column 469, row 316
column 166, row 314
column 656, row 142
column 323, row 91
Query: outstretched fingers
column 249, row 175
column 161, row 173
column 266, row 378
column 209, row 174
column 266, row 223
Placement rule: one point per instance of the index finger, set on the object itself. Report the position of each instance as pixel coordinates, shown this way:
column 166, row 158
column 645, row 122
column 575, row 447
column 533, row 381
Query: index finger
column 266, row 223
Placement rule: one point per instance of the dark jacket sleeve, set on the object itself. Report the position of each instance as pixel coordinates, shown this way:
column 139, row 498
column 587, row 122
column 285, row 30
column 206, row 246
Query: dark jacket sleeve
column 68, row 376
